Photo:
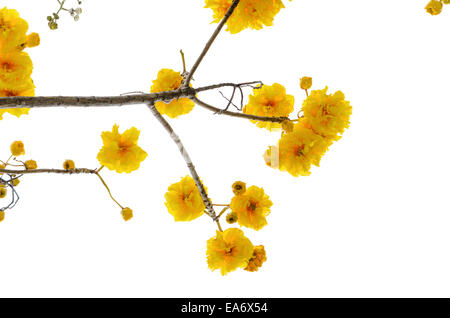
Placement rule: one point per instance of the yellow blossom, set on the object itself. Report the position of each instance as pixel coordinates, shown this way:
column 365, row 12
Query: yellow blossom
column 269, row 101
column 120, row 152
column 17, row 148
column 239, row 187
column 26, row 88
column 251, row 208
column 183, row 200
column 258, row 258
column 252, row 14
column 15, row 69
column 434, row 7
column 13, row 30
column 305, row 82
column 33, row 40
column 68, row 164
column 301, row 148
column 127, row 214
column 166, row 80
column 31, row 164
column 2, row 166
column 228, row 251
column 2, row 215
column 327, row 114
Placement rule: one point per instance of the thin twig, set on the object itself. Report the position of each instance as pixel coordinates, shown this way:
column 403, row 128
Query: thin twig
column 210, row 42
column 184, row 153
column 239, row 115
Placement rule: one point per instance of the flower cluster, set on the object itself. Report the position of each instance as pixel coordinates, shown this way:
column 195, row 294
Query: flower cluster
column 169, row 80
column 434, row 7
column 249, row 14
column 15, row 65
column 325, row 117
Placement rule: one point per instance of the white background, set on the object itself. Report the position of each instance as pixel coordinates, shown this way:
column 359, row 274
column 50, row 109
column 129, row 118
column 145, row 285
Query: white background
column 373, row 220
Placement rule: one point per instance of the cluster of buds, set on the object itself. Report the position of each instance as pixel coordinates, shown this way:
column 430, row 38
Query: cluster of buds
column 74, row 13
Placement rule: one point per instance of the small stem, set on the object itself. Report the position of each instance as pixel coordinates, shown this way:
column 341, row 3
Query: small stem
column 210, row 42
column 60, row 171
column 218, row 225
column 222, row 212
column 184, row 61
column 109, row 191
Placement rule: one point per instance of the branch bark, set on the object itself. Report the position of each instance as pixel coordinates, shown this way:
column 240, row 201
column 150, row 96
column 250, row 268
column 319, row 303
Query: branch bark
column 187, row 159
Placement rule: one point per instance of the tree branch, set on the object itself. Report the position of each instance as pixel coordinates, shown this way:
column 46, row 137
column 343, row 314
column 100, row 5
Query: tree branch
column 190, row 165
column 60, row 171
column 210, row 42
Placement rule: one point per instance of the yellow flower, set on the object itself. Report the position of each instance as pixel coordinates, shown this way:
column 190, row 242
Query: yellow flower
column 68, row 164
column 305, row 82
column 31, row 164
column 301, row 148
column 168, row 80
column 258, row 258
column 327, row 114
column 15, row 69
column 434, row 7
column 253, row 14
column 2, row 215
column 17, row 148
column 13, row 30
column 251, row 208
column 183, row 200
column 239, row 187
column 127, row 214
column 269, row 101
column 33, row 40
column 228, row 251
column 120, row 152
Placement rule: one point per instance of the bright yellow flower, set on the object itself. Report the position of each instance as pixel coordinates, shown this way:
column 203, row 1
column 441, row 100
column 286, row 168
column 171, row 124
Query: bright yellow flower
column 69, row 164
column 2, row 215
column 15, row 69
column 120, row 152
column 13, row 30
column 301, row 148
column 127, row 214
column 17, row 148
column 168, row 80
column 269, row 101
column 31, row 164
column 183, row 200
column 252, row 14
column 328, row 114
column 228, row 251
column 251, row 208
column 258, row 258
column 434, row 7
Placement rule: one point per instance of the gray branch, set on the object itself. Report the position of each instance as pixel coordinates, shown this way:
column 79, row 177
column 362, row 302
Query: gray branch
column 187, row 159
